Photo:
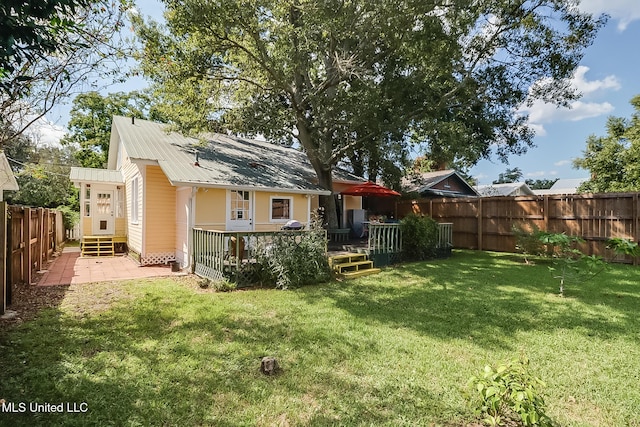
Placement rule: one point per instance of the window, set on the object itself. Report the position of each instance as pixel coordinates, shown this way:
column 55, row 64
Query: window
column 240, row 205
column 120, row 202
column 134, row 199
column 281, row 209
column 87, row 200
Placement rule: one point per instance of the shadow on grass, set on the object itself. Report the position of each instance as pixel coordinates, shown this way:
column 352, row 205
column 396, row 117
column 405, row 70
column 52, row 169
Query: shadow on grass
column 179, row 359
column 489, row 297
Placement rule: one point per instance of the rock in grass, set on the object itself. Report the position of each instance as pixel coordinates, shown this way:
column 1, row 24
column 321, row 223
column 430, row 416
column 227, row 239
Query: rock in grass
column 269, row 365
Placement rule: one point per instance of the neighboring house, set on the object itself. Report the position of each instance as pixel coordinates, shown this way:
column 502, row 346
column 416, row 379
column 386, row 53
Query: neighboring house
column 563, row 186
column 446, row 183
column 7, row 179
column 158, row 186
column 509, row 189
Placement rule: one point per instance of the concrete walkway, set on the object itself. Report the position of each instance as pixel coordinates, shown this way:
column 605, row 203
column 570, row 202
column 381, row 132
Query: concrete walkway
column 71, row 268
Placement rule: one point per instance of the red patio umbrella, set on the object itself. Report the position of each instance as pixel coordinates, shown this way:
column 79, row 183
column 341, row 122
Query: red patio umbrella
column 370, row 189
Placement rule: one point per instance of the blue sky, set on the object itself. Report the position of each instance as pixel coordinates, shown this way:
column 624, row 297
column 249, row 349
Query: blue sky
column 608, row 78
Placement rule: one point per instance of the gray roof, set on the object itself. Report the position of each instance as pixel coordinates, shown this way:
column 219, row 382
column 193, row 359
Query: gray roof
column 7, row 179
column 563, row 186
column 223, row 160
column 422, row 183
column 508, row 189
column 96, row 175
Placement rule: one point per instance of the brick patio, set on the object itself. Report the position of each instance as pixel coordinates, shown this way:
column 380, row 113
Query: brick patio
column 70, row 268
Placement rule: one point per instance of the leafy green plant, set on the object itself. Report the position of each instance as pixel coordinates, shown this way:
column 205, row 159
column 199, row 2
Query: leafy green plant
column 294, row 259
column 419, row 237
column 569, row 263
column 509, row 393
column 623, row 247
column 528, row 240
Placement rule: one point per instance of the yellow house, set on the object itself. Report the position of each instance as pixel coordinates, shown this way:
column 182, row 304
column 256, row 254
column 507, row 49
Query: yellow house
column 159, row 185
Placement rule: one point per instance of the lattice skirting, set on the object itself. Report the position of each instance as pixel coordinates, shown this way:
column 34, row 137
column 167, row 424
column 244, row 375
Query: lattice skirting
column 158, row 258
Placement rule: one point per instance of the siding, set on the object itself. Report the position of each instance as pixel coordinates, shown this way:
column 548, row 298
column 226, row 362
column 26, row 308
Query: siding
column 211, row 208
column 263, row 208
column 121, row 227
column 134, row 232
column 159, row 213
column 183, row 195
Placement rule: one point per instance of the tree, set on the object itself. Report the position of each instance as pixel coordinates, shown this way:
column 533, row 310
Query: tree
column 90, row 123
column 508, row 176
column 540, row 184
column 42, row 174
column 51, row 48
column 614, row 160
column 358, row 77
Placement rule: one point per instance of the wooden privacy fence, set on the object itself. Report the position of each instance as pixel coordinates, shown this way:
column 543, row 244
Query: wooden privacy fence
column 486, row 223
column 33, row 235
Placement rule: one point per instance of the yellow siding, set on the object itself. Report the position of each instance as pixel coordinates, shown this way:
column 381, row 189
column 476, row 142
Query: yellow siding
column 263, row 209
column 183, row 195
column 86, row 226
column 159, row 212
column 211, row 208
column 121, row 227
column 134, row 231
column 352, row 202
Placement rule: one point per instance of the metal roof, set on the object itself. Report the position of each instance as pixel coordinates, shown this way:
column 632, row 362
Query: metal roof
column 106, row 176
column 507, row 189
column 222, row 160
column 7, row 179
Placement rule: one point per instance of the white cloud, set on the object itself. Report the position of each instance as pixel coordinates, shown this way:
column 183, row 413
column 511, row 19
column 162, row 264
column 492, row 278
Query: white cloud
column 541, row 112
column 536, row 174
column 562, row 163
column 45, row 132
column 622, row 11
column 587, row 87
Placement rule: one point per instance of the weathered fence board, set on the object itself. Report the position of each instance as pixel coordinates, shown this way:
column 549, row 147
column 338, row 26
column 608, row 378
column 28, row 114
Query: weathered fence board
column 486, row 223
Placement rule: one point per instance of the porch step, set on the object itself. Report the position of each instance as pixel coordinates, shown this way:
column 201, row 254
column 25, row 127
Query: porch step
column 350, row 266
column 97, row 246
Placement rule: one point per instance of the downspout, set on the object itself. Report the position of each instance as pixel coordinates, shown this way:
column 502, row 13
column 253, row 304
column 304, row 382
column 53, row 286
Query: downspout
column 191, row 221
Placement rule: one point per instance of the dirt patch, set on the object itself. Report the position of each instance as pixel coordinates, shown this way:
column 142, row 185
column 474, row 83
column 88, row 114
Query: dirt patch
column 28, row 300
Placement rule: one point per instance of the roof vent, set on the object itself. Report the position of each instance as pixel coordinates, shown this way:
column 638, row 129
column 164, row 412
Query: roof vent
column 197, row 163
column 133, row 120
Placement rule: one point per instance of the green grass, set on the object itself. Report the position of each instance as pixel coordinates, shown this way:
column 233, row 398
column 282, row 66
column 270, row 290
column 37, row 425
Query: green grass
column 392, row 349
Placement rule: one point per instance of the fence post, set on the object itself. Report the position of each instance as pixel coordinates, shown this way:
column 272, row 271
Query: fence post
column 26, row 259
column 545, row 212
column 480, row 231
column 3, row 255
column 634, row 223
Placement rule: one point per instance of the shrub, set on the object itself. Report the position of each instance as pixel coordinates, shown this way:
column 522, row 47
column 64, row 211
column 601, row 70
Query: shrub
column 419, row 237
column 294, row 259
column 528, row 240
column 69, row 216
column 509, row 393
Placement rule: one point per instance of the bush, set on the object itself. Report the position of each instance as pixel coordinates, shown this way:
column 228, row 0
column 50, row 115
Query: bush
column 419, row 237
column 508, row 394
column 528, row 240
column 69, row 216
column 294, row 259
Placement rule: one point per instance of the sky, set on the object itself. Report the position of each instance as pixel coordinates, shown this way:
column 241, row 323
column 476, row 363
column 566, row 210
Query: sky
column 607, row 77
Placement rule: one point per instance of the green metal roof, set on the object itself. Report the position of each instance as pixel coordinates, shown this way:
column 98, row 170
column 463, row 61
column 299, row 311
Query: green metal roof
column 223, row 161
column 106, row 176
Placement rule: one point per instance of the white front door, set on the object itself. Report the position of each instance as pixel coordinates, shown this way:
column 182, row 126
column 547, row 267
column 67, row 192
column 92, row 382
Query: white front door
column 103, row 218
column 239, row 210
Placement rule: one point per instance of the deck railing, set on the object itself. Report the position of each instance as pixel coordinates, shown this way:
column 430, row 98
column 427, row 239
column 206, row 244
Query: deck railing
column 234, row 254
column 385, row 242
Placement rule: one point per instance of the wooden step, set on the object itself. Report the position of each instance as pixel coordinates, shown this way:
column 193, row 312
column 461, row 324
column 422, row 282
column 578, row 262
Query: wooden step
column 352, row 265
column 97, row 246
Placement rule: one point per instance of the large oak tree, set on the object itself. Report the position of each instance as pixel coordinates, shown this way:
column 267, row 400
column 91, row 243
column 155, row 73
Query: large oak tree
column 360, row 81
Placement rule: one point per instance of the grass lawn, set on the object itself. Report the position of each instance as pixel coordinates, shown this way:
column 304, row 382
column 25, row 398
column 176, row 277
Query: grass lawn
column 392, row 349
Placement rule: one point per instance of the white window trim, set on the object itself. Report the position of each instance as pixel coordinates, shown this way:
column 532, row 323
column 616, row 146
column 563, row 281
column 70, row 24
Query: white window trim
column 279, row 220
column 135, row 200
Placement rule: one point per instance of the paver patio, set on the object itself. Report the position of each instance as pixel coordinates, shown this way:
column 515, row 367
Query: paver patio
column 71, row 268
